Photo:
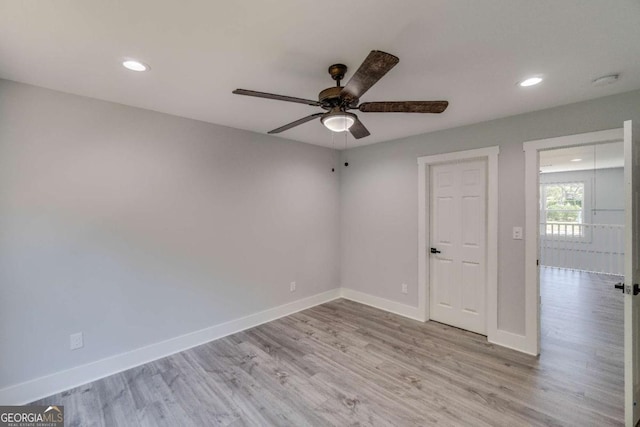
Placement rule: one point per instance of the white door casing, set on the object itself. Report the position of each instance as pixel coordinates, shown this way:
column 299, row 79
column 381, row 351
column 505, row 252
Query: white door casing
column 425, row 163
column 632, row 273
column 458, row 230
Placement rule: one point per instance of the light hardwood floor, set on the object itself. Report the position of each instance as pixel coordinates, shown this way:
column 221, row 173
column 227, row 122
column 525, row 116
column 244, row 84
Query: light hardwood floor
column 344, row 363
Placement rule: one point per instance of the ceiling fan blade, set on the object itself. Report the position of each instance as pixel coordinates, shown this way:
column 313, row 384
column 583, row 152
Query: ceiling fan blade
column 358, row 130
column 278, row 97
column 404, row 107
column 296, row 123
column 376, row 65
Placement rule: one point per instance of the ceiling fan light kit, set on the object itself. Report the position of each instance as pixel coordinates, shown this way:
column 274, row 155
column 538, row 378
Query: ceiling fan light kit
column 338, row 99
column 338, row 121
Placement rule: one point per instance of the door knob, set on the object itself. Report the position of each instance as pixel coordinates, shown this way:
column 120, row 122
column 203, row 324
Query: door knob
column 435, row 251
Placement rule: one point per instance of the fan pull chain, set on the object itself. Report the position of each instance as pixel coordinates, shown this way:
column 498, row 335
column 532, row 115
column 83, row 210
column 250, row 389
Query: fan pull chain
column 334, row 156
column 346, row 162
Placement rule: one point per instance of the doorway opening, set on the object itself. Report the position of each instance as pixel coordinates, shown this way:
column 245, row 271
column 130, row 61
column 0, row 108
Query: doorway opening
column 629, row 135
column 532, row 151
column 581, row 256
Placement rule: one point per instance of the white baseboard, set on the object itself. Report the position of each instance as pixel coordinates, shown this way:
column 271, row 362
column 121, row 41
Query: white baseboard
column 502, row 338
column 513, row 341
column 383, row 304
column 29, row 391
column 39, row 388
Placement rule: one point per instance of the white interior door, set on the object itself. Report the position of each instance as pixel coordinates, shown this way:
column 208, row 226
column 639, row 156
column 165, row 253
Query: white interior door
column 632, row 273
column 458, row 230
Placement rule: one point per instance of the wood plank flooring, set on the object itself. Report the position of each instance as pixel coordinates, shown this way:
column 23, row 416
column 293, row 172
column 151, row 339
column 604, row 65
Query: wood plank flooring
column 344, row 363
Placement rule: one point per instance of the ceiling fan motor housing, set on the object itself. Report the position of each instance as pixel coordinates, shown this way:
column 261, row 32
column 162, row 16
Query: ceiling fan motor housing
column 330, row 98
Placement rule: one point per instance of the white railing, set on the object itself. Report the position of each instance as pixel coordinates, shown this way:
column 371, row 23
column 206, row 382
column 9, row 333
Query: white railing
column 589, row 247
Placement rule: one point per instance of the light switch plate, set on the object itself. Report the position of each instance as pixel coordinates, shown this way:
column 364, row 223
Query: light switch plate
column 517, row 233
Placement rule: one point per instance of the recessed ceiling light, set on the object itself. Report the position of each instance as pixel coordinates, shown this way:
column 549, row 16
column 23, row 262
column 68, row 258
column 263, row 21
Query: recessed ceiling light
column 531, row 81
column 606, row 80
column 133, row 65
column 576, row 160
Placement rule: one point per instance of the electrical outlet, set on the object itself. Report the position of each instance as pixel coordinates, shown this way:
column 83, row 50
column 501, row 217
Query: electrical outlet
column 76, row 341
column 405, row 288
column 292, row 287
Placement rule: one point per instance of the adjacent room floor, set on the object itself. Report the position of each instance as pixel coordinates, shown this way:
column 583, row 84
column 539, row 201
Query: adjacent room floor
column 344, row 363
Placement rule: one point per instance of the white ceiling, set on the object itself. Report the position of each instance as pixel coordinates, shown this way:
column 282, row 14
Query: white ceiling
column 471, row 53
column 601, row 156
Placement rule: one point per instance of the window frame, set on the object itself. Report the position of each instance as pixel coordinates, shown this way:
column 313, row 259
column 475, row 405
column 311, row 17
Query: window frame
column 586, row 210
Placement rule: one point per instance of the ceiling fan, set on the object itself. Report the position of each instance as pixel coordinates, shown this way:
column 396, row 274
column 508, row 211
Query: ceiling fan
column 338, row 100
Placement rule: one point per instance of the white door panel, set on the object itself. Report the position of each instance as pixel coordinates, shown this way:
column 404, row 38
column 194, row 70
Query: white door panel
column 470, row 296
column 458, row 231
column 632, row 272
column 443, row 295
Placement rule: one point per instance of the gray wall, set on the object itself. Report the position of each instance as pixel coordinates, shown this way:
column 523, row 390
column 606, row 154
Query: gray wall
column 135, row 227
column 379, row 202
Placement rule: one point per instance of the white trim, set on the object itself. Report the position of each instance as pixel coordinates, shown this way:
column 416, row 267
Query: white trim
column 531, row 221
column 459, row 155
column 491, row 154
column 589, row 138
column 510, row 340
column 532, row 213
column 492, row 246
column 38, row 388
column 383, row 304
column 29, row 391
column 629, row 327
column 631, row 274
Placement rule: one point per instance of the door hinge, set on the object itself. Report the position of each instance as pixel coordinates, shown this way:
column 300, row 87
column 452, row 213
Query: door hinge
column 537, row 262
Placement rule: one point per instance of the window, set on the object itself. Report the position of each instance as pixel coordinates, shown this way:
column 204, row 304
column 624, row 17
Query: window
column 562, row 209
